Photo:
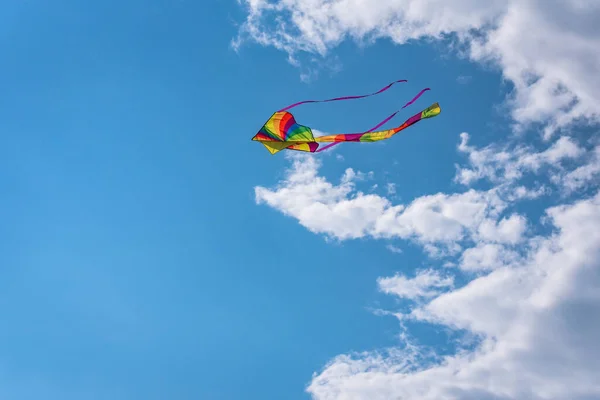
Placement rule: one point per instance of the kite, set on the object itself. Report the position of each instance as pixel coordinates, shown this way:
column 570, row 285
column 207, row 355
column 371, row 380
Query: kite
column 282, row 132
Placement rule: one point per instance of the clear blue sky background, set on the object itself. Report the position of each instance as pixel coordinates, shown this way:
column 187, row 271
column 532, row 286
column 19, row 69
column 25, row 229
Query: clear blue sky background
column 134, row 262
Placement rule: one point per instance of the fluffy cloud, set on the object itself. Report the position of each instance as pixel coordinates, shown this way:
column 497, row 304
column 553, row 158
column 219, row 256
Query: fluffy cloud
column 537, row 320
column 486, row 256
column 548, row 49
column 508, row 230
column 322, row 206
column 425, row 284
column 341, row 212
column 508, row 164
column 584, row 175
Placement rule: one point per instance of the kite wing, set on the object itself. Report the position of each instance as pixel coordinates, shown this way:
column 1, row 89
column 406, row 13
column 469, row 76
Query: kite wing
column 281, row 131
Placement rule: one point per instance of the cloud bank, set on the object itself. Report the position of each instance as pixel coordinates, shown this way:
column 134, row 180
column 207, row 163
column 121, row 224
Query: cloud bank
column 539, row 320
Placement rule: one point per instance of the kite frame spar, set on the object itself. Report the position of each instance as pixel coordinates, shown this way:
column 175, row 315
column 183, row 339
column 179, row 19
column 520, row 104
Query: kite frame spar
column 282, row 132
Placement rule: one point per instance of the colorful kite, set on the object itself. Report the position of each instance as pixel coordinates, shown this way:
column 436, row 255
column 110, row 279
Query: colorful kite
column 282, row 132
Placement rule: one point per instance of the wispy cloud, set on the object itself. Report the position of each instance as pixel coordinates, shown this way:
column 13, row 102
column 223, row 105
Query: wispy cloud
column 394, row 249
column 464, row 79
column 505, row 163
column 425, row 284
column 390, row 188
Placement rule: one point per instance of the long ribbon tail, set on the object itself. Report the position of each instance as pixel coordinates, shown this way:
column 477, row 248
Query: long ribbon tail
column 326, row 147
column 382, row 122
column 345, row 97
column 394, row 114
column 416, row 97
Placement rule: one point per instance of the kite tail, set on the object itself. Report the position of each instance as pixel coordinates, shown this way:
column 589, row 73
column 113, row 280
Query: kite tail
column 382, row 122
column 326, row 147
column 345, row 97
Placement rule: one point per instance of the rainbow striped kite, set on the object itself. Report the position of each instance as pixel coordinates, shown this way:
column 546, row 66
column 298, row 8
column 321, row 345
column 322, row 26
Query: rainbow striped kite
column 282, row 132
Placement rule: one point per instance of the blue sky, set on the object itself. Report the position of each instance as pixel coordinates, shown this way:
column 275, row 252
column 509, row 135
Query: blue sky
column 149, row 249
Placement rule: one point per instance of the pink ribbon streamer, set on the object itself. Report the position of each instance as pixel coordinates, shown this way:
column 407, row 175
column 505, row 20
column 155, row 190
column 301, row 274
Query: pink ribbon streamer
column 382, row 122
column 345, row 97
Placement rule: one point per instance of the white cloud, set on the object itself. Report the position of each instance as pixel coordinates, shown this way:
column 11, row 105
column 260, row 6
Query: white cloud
column 486, row 256
column 521, row 192
column 508, row 230
column 394, row 249
column 538, row 322
column 321, row 206
column 351, row 175
column 439, row 217
column 464, row 79
column 548, row 49
column 584, row 174
column 341, row 212
column 427, row 283
column 505, row 164
column 391, row 188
